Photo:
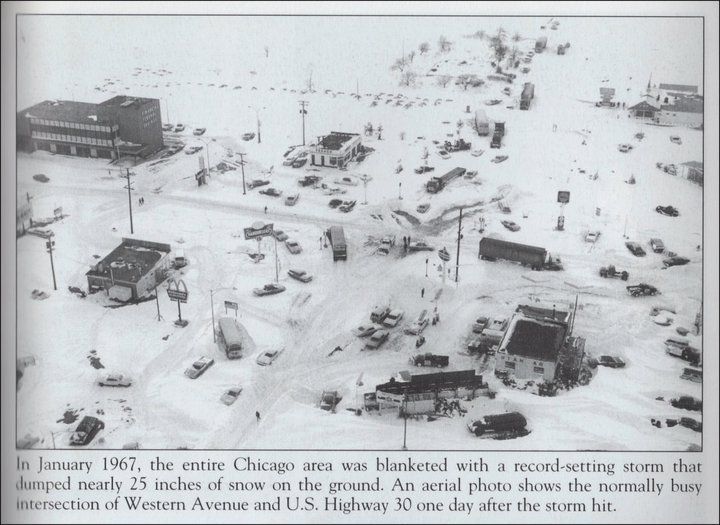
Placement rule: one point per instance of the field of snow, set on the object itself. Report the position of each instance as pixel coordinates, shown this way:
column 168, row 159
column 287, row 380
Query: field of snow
column 164, row 409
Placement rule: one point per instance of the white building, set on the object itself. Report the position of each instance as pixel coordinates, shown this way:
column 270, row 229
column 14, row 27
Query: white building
column 684, row 111
column 336, row 149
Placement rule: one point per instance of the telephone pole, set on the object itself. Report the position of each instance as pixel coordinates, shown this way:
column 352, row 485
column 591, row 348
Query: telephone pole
column 129, row 188
column 457, row 259
column 303, row 112
column 49, row 245
column 242, row 168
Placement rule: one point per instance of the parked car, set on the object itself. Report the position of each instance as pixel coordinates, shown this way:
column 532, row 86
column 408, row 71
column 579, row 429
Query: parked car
column 635, row 249
column 329, row 400
column 684, row 351
column 510, row 225
column 423, row 208
column 675, row 261
column 248, row 136
column 300, row 275
column 377, row 339
column 114, row 380
column 199, row 367
column 657, row 245
column 291, row 200
column 365, row 330
column 280, row 235
column 231, row 395
column 293, row 247
column 687, row 403
column 267, row 358
column 642, row 289
column 309, row 180
column 675, row 139
column 624, row 148
column 610, row 361
column 256, row 183
column 667, row 210
column 419, row 246
column 592, row 236
column 393, row 318
column 347, row 206
column 271, row 192
column 379, row 314
column 443, row 154
column 199, row 131
column 347, row 181
column 506, row 425
column 334, row 203
column 299, row 163
column 269, row 289
column 192, row 150
column 386, row 244
column 423, row 169
column 179, row 127
column 86, row 431
column 167, row 127
column 611, row 271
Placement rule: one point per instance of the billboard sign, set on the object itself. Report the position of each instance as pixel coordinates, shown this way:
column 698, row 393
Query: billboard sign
column 563, row 197
column 177, row 291
column 258, row 230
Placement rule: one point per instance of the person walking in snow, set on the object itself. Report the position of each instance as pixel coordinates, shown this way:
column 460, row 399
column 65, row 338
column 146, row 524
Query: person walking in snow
column 422, row 293
column 265, row 210
column 257, row 415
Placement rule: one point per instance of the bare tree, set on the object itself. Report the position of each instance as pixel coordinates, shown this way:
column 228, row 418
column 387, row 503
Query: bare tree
column 408, row 78
column 444, row 44
column 513, row 56
column 497, row 44
column 309, row 82
column 399, row 65
column 411, row 56
column 516, row 37
column 424, row 48
column 468, row 79
column 368, row 129
column 443, row 80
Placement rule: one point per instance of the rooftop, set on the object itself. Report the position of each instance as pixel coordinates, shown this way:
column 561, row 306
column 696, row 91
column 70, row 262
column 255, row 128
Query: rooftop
column 685, row 105
column 65, row 110
column 679, row 87
column 130, row 261
column 544, row 313
column 534, row 339
column 125, row 101
column 336, row 139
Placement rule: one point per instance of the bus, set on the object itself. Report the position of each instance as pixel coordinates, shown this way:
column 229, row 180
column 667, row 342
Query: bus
column 336, row 235
column 230, row 337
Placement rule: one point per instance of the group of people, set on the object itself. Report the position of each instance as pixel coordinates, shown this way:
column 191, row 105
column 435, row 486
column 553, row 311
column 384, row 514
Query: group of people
column 141, row 201
column 447, row 408
column 406, row 243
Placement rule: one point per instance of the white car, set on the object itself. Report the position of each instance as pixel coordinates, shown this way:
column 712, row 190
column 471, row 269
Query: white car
column 231, row 395
column 293, row 247
column 365, row 330
column 443, row 154
column 114, row 380
column 592, row 236
column 347, row 181
column 267, row 358
column 393, row 318
column 291, row 200
column 199, row 367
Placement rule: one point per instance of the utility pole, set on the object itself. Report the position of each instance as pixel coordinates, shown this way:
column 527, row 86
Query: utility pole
column 277, row 277
column 129, row 188
column 303, row 112
column 400, row 190
column 242, row 168
column 404, row 446
column 212, row 312
column 49, row 245
column 157, row 303
column 457, row 259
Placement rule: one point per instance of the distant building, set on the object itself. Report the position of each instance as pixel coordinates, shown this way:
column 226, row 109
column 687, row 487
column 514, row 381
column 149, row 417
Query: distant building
column 648, row 107
column 336, row 149
column 131, row 270
column 693, row 171
column 684, row 111
column 532, row 345
column 680, row 88
column 24, row 215
column 120, row 126
column 419, row 394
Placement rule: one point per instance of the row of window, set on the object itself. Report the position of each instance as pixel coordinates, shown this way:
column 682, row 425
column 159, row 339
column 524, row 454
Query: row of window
column 71, row 138
column 76, row 132
column 72, row 125
column 536, row 369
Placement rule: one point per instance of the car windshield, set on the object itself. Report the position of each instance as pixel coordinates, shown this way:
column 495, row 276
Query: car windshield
column 198, row 365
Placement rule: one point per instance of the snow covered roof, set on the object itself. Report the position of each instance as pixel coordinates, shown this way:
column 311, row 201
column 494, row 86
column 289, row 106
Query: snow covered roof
column 648, row 100
column 64, row 111
column 679, row 87
column 336, row 139
column 685, row 105
column 130, row 261
column 694, row 164
column 534, row 338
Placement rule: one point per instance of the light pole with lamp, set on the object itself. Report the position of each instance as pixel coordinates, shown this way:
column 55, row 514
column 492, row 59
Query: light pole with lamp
column 404, row 446
column 365, row 181
column 212, row 306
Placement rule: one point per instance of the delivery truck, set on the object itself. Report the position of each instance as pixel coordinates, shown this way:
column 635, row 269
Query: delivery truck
column 336, row 236
column 537, row 258
column 436, row 184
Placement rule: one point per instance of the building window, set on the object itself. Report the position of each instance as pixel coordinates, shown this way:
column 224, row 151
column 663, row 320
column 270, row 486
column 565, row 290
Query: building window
column 510, row 364
column 538, row 370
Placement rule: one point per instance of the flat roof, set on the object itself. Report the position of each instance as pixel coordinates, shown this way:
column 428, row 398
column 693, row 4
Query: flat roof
column 65, row 110
column 685, row 105
column 129, row 262
column 336, row 139
column 679, row 87
column 125, row 101
column 535, row 339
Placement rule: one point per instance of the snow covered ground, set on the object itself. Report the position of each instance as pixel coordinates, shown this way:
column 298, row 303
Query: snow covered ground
column 164, row 409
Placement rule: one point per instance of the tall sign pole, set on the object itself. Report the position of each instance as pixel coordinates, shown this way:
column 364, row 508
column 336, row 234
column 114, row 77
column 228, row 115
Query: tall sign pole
column 459, row 236
column 303, row 112
column 129, row 188
column 49, row 245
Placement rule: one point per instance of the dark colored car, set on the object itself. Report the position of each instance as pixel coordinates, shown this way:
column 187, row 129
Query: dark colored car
column 687, row 403
column 257, row 183
column 86, row 431
column 675, row 261
column 271, row 192
column 299, row 163
column 334, row 203
column 635, row 249
column 667, row 210
column 611, row 361
column 641, row 289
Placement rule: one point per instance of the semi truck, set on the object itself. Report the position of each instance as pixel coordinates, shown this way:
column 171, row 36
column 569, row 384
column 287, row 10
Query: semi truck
column 535, row 257
column 540, row 44
column 498, row 134
column 482, row 124
column 435, row 184
column 528, row 93
column 336, row 236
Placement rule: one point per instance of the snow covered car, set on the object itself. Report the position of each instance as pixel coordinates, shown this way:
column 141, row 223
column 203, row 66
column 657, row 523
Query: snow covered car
column 657, row 245
column 423, row 208
column 638, row 290
column 507, row 425
column 334, row 203
column 510, row 225
column 423, row 169
column 329, row 400
column 256, row 183
column 86, row 431
column 231, row 395
column 624, row 148
column 179, row 127
column 592, row 236
column 386, row 244
column 267, row 358
column 675, row 261
column 248, row 136
column 300, row 275
column 365, row 330
column 347, row 181
column 192, row 150
column 347, row 206
column 667, row 210
column 114, row 380
column 687, row 403
column 377, row 339
column 199, row 131
column 635, row 249
column 280, row 235
column 393, row 318
column 611, row 271
column 268, row 289
column 419, row 246
column 199, row 367
column 291, row 200
column 299, row 163
column 167, row 127
column 443, row 154
column 686, row 352
column 675, row 139
column 610, row 361
column 293, row 247
column 271, row 192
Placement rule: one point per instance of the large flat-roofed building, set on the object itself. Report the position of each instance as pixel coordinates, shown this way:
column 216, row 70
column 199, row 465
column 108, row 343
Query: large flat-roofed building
column 119, row 126
column 131, row 270
column 336, row 149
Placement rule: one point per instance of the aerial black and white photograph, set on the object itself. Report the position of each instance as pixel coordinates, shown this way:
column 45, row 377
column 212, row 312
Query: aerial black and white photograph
column 359, row 232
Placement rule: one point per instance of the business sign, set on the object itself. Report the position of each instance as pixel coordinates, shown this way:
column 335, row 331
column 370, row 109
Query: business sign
column 258, row 230
column 563, row 197
column 444, row 255
column 177, row 291
column 231, row 305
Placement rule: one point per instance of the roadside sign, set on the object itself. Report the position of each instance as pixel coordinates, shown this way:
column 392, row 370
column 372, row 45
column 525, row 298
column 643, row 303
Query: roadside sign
column 563, row 197
column 444, row 255
column 231, row 305
column 177, row 291
column 258, row 230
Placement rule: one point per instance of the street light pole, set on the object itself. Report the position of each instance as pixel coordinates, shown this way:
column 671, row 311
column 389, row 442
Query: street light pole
column 242, row 168
column 49, row 245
